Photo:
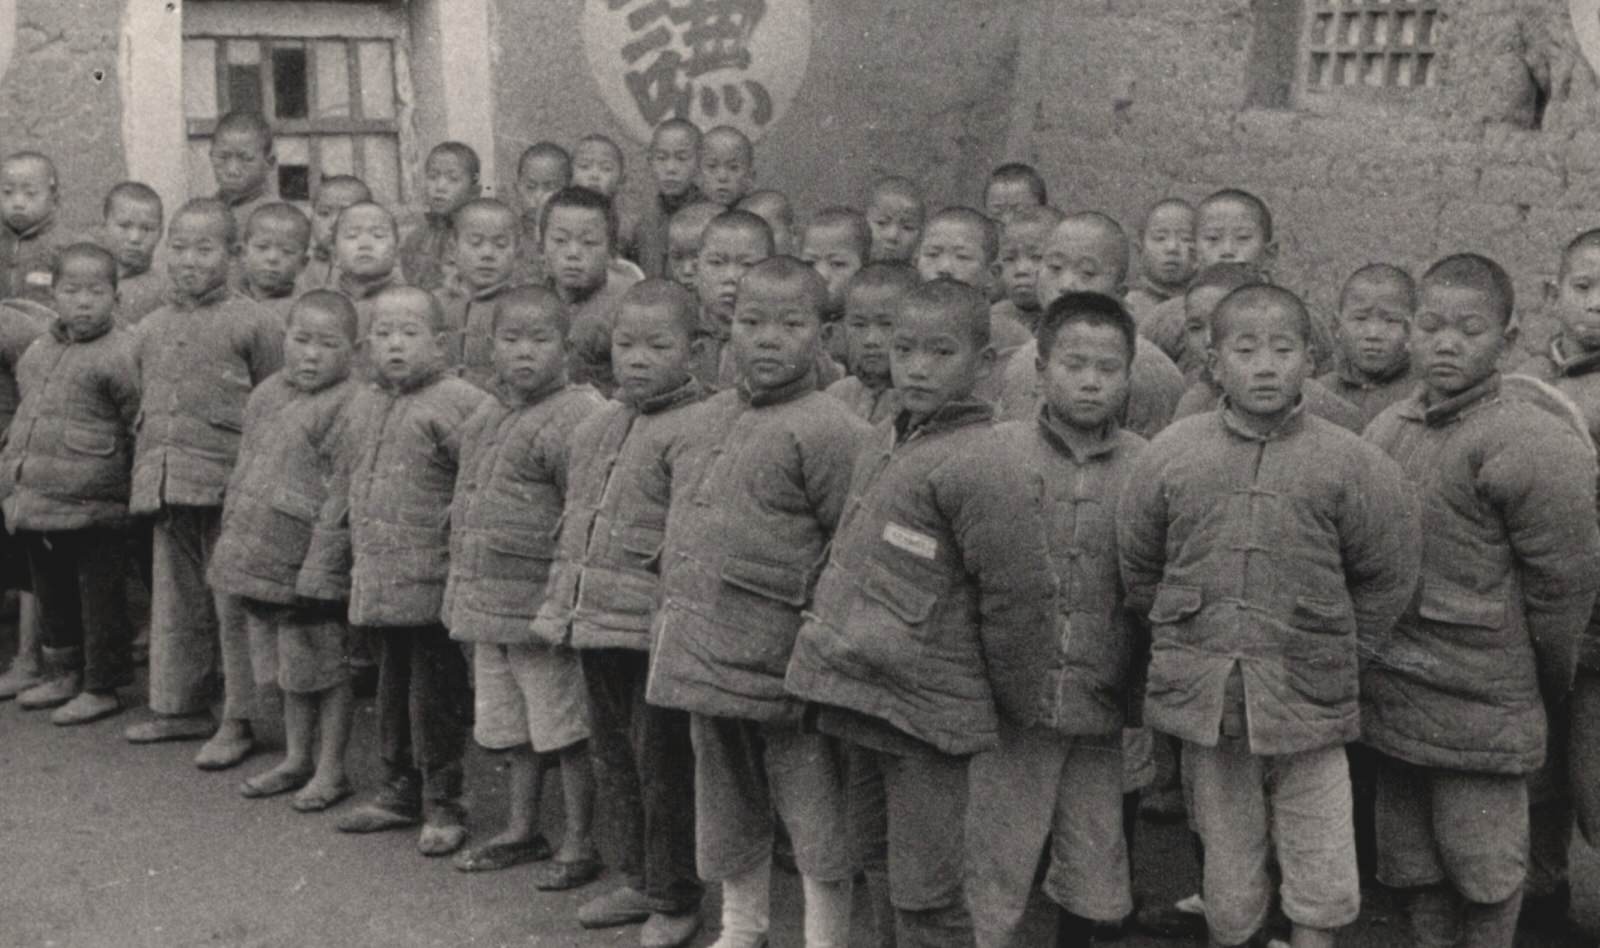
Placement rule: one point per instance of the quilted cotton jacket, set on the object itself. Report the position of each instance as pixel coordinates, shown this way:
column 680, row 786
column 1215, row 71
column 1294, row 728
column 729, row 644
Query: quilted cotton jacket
column 1153, row 390
column 1266, row 554
column 1205, row 395
column 756, row 494
column 1511, row 562
column 936, row 611
column 507, row 510
column 394, row 477
column 1096, row 643
column 602, row 591
column 1369, row 397
column 277, row 492
column 871, row 405
column 21, row 322
column 470, row 314
column 68, row 455
column 198, row 361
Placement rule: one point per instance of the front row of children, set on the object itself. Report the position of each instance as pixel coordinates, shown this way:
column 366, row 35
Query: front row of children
column 722, row 612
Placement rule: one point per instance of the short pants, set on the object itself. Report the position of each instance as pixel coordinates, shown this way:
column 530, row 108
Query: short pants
column 301, row 650
column 527, row 693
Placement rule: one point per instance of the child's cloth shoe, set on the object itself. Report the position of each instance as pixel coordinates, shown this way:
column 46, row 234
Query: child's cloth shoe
column 51, row 694
column 172, row 727
column 232, row 743
column 19, row 678
column 559, row 875
column 315, row 799
column 669, row 931
column 493, row 856
column 86, row 707
column 397, row 804
column 272, row 783
column 443, row 832
column 623, row 905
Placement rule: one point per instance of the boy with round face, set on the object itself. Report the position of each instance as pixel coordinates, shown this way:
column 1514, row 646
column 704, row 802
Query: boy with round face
column 733, row 242
column 1022, row 245
column 937, row 354
column 365, row 247
column 1064, row 783
column 837, row 243
column 959, row 244
column 67, row 506
column 29, row 195
column 579, row 232
column 599, row 602
column 450, row 179
column 1166, row 255
column 529, row 697
column 276, row 245
column 727, row 165
column 598, row 164
column 334, row 194
column 487, row 235
column 674, row 158
column 243, row 163
column 871, row 301
column 1507, row 495
column 133, row 224
column 295, row 647
column 199, row 358
column 1373, row 366
column 543, row 169
column 1011, row 188
column 774, row 208
column 684, row 234
column 895, row 213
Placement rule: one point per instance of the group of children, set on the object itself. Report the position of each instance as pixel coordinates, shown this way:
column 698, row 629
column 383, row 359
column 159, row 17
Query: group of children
column 887, row 541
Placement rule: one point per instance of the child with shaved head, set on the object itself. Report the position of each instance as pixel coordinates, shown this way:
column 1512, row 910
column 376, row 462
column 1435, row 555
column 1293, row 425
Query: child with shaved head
column 1372, row 366
column 895, row 213
column 1255, row 605
column 674, row 157
column 774, row 208
column 757, row 492
column 487, row 243
column 599, row 601
column 731, row 244
column 274, row 250
column 871, row 300
column 727, row 165
column 1166, row 256
column 132, row 222
column 29, row 196
column 685, row 233
column 334, row 194
column 449, row 180
column 932, row 614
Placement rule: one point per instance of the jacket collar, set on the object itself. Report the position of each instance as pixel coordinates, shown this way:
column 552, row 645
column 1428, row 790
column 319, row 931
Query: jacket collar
column 249, row 289
column 711, row 326
column 952, row 414
column 484, row 294
column 36, row 230
column 578, row 297
column 672, row 205
column 787, row 392
column 1293, row 422
column 1074, row 443
column 414, row 384
column 1156, row 290
column 1451, row 409
column 244, row 197
column 1355, row 378
column 1580, row 364
column 691, row 390
column 59, row 330
column 211, row 297
column 360, row 288
column 514, row 400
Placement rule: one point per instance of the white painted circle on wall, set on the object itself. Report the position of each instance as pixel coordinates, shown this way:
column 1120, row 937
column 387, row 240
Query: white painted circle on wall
column 1586, row 24
column 714, row 62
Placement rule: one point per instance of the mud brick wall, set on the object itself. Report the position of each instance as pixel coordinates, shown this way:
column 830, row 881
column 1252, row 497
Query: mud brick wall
column 1122, row 102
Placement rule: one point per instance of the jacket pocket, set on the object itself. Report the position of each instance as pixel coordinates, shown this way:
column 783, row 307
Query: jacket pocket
column 1315, row 614
column 775, row 581
column 86, row 441
column 907, row 601
column 642, row 544
column 525, row 545
column 221, row 419
column 295, row 505
column 1452, row 605
column 1175, row 603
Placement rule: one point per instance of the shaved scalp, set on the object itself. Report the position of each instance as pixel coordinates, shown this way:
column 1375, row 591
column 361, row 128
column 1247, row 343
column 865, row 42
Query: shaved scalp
column 1162, row 205
column 577, row 196
column 1089, row 309
column 211, row 207
column 539, row 298
column 84, row 251
column 1227, row 276
column 595, row 138
column 1475, row 272
column 1016, row 171
column 771, row 206
column 745, row 221
column 682, row 303
column 1034, row 216
column 1383, row 274
column 987, row 229
column 545, row 150
column 884, row 275
column 253, row 123
column 280, row 213
column 485, row 205
column 334, row 304
column 896, row 186
column 785, row 273
column 676, row 124
column 354, row 184
column 728, row 135
column 136, row 192
column 1243, row 198
column 846, row 218
column 955, row 299
column 367, row 204
column 35, row 158
column 1260, row 295
column 1111, row 232
column 463, row 153
column 408, row 296
column 1589, row 238
column 697, row 217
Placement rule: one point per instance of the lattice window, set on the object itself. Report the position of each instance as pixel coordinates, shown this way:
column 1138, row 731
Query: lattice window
column 332, row 102
column 1372, row 43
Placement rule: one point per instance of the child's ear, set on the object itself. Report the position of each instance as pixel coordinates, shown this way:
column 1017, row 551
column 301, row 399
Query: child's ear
column 697, row 346
column 1269, row 255
column 1552, row 291
column 986, row 360
column 1513, row 330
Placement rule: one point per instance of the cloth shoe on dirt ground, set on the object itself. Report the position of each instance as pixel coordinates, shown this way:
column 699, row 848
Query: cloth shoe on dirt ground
column 443, row 831
column 669, row 931
column 493, row 856
column 172, row 727
column 17, row 679
column 559, row 875
column 232, row 743
column 397, row 803
column 86, row 707
column 272, row 783
column 623, row 905
column 309, row 800
column 51, row 694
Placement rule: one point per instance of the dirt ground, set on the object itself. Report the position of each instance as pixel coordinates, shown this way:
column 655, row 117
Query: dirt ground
column 107, row 844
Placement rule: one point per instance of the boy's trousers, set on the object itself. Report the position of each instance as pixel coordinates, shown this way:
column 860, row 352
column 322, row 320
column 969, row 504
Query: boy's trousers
column 78, row 579
column 1037, row 787
column 915, row 807
column 424, row 704
column 190, row 627
column 644, row 762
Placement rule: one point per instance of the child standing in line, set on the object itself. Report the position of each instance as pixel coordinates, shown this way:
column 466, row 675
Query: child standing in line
column 243, row 162
column 298, row 639
column 674, row 164
column 20, row 324
column 600, row 601
column 1372, row 367
column 755, row 497
column 598, row 164
column 64, row 474
column 1022, row 244
column 395, row 474
column 895, row 213
column 1454, row 701
column 727, row 165
column 579, row 233
column 1166, row 256
column 774, row 208
column 733, row 242
column 132, row 220
column 199, row 358
column 29, row 198
column 529, row 695
column 1260, row 539
column 685, row 232
column 334, row 194
column 544, row 169
column 1062, row 786
column 1012, row 187
column 486, row 262
column 870, row 302
column 277, row 242
column 365, row 243
column 932, row 614
column 836, row 243
column 450, row 179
